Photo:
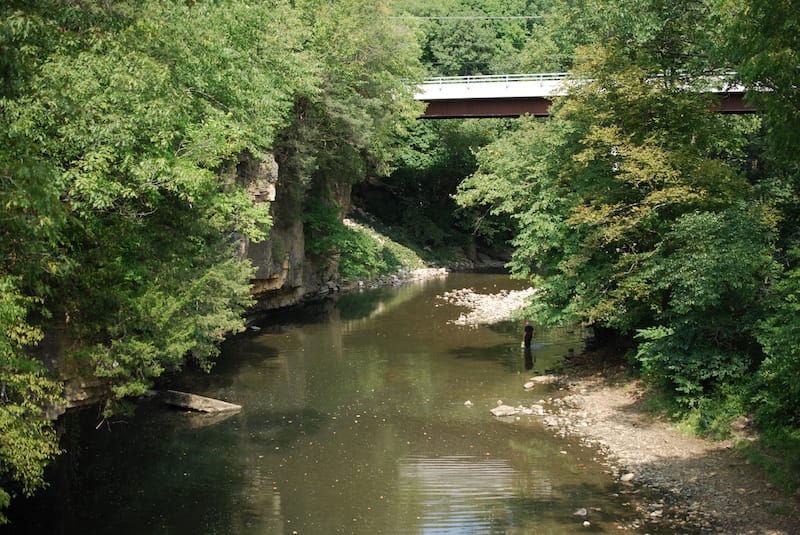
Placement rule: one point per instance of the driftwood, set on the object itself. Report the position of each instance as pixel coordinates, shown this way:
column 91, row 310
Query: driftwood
column 193, row 402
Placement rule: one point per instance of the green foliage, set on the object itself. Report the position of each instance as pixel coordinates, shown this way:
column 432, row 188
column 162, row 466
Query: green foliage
column 686, row 363
column 459, row 38
column 347, row 127
column 777, row 392
column 137, row 140
column 417, row 196
column 363, row 257
column 323, row 228
column 712, row 416
column 714, row 261
column 115, row 214
column 763, row 43
column 362, row 253
column 516, row 177
column 565, row 26
column 634, row 207
column 710, row 271
column 777, row 452
column 28, row 439
column 186, row 310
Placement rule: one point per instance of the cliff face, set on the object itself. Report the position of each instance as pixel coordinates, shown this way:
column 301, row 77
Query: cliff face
column 81, row 387
column 279, row 260
column 283, row 277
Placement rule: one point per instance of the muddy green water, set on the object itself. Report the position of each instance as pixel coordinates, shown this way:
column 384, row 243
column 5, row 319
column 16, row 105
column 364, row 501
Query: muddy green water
column 354, row 422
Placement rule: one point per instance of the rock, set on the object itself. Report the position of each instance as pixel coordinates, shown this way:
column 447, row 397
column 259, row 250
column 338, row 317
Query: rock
column 544, row 379
column 468, row 403
column 581, row 512
column 504, row 410
column 625, row 478
column 528, row 385
column 194, row 402
column 486, row 308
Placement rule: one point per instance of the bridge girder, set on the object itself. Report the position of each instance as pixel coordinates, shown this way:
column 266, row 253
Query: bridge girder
column 732, row 103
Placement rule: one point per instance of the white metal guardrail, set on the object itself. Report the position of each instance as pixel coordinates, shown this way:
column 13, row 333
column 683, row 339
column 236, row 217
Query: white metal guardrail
column 541, row 85
column 495, row 78
column 492, row 86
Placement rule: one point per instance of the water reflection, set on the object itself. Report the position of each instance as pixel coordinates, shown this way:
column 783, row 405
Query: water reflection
column 448, row 489
column 528, row 356
column 353, row 422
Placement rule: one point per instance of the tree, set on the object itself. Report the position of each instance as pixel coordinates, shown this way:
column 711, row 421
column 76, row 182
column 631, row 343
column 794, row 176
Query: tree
column 612, row 195
column 763, row 47
column 762, row 43
column 351, row 126
column 120, row 125
column 469, row 37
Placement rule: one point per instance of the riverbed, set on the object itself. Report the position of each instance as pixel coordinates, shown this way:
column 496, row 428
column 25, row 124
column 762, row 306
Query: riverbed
column 361, row 415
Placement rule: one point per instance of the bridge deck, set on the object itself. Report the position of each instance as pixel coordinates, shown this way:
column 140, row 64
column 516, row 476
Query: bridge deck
column 512, row 95
column 495, row 87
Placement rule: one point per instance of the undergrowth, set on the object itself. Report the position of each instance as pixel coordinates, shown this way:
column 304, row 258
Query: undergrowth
column 775, row 450
column 367, row 253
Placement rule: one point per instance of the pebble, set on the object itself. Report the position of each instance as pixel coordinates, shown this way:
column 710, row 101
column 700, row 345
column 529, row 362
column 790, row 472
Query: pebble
column 486, row 308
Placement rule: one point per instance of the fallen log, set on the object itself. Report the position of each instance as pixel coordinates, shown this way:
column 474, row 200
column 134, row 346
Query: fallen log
column 194, row 402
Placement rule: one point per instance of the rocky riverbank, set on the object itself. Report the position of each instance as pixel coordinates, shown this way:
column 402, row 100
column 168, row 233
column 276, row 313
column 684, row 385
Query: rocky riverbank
column 677, row 483
column 486, row 308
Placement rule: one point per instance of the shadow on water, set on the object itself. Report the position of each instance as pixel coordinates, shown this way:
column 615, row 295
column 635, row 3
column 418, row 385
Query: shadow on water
column 542, row 357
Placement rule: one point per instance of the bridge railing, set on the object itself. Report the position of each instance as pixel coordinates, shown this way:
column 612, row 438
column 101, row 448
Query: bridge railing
column 495, row 78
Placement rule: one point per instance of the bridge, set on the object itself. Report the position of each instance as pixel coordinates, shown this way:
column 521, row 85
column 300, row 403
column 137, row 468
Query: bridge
column 512, row 95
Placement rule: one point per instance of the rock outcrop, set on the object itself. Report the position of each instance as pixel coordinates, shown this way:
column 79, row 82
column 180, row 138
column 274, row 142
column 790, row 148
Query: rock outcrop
column 81, row 387
column 283, row 275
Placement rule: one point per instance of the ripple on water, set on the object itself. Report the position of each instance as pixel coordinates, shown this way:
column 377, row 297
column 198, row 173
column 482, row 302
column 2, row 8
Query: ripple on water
column 464, row 494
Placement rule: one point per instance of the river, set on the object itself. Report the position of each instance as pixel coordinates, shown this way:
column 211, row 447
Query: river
column 353, row 422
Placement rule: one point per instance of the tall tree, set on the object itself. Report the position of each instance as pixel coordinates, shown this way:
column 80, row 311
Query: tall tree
column 614, row 192
column 349, row 128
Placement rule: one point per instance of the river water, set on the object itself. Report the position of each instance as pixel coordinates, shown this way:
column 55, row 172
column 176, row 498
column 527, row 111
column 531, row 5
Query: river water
column 353, row 422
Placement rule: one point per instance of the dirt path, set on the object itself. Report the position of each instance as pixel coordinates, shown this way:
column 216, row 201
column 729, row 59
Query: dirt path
column 678, row 483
